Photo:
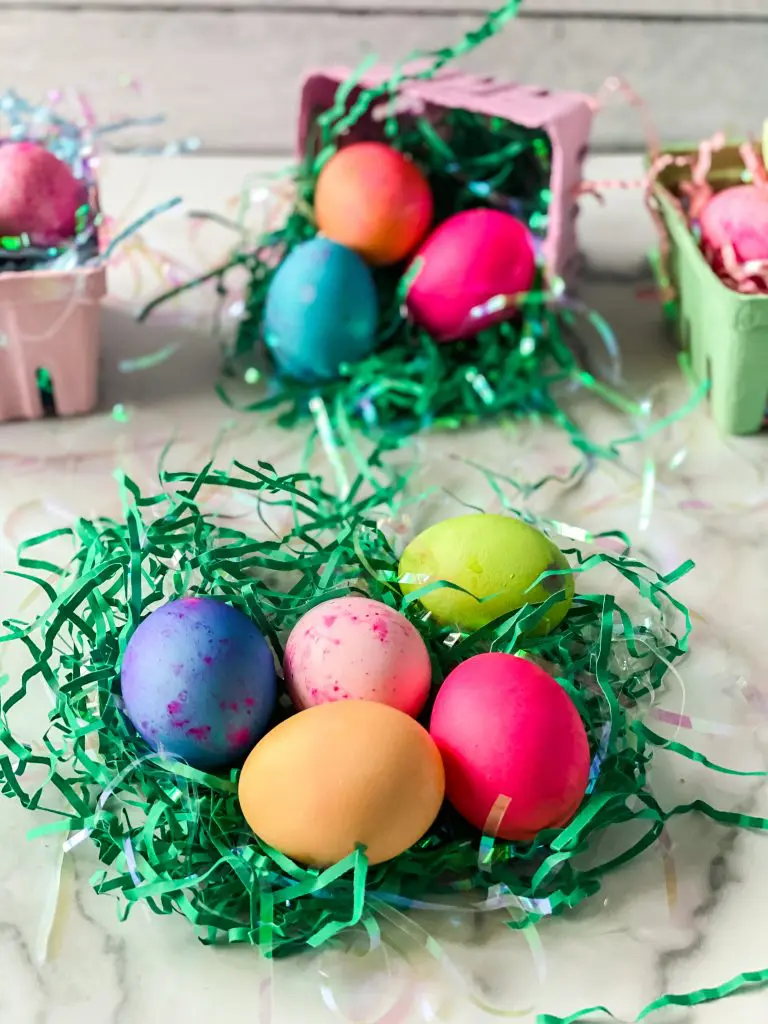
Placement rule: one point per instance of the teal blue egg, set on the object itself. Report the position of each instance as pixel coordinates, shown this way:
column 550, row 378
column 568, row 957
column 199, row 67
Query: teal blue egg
column 321, row 311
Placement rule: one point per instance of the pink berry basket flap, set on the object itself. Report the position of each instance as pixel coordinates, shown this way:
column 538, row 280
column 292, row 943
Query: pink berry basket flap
column 49, row 320
column 566, row 117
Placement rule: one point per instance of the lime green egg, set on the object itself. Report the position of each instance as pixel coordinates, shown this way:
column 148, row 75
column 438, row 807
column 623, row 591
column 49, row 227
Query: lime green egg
column 496, row 559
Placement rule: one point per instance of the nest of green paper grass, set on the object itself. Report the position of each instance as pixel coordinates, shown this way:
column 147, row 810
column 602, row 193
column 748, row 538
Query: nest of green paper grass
column 173, row 837
column 411, row 383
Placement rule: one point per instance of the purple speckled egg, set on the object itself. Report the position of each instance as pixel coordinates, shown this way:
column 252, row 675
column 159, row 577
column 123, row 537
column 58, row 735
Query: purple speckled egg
column 198, row 682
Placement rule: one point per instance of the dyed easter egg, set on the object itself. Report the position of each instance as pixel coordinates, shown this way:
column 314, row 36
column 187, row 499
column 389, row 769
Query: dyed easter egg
column 356, row 648
column 39, row 194
column 340, row 774
column 198, row 681
column 469, row 259
column 515, row 749
column 321, row 311
column 373, row 199
column 492, row 557
column 737, row 216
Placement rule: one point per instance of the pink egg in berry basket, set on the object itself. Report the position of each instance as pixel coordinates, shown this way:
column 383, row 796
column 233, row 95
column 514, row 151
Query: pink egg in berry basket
column 39, row 193
column 52, row 273
column 737, row 217
column 359, row 649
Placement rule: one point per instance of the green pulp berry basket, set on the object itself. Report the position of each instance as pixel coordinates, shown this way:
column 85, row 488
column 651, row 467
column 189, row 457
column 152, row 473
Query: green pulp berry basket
column 725, row 332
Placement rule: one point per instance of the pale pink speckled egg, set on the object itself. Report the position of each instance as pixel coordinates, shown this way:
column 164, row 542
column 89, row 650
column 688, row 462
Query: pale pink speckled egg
column 353, row 648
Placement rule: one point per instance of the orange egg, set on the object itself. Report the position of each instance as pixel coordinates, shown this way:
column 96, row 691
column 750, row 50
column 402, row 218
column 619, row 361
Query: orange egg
column 341, row 774
column 374, row 200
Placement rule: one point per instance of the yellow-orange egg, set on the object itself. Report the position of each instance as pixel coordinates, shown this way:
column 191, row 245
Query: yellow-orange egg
column 341, row 774
column 374, row 200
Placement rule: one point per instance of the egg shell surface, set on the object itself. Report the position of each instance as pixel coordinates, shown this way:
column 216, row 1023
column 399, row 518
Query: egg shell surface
column 360, row 649
column 198, row 680
column 39, row 194
column 374, row 200
column 340, row 774
column 321, row 311
column 515, row 749
column 737, row 216
column 470, row 258
column 491, row 556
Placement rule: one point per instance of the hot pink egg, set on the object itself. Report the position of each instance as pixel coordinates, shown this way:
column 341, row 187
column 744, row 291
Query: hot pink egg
column 737, row 216
column 39, row 194
column 471, row 258
column 359, row 649
column 515, row 750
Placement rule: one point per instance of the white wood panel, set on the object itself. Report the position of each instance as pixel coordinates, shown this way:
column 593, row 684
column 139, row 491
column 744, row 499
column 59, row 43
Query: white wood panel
column 233, row 79
column 614, row 9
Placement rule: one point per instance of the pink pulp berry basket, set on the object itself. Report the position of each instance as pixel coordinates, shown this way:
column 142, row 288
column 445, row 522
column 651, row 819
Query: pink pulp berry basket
column 566, row 117
column 49, row 320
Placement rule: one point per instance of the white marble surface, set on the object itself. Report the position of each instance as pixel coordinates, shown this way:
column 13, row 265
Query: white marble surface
column 665, row 923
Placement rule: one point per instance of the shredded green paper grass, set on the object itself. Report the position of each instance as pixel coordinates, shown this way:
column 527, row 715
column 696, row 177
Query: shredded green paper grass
column 174, row 839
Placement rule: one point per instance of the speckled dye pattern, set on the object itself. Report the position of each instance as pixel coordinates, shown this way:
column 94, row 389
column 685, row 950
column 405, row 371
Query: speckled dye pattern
column 359, row 649
column 198, row 681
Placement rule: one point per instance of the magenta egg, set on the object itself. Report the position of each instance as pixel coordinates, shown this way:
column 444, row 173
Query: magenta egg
column 39, row 194
column 198, row 682
column 471, row 258
column 515, row 749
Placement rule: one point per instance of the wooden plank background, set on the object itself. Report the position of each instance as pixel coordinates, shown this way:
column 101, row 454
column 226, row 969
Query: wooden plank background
column 227, row 71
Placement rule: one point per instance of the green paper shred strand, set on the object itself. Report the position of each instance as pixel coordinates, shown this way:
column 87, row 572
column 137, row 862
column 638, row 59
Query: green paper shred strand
column 338, row 120
column 742, row 982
